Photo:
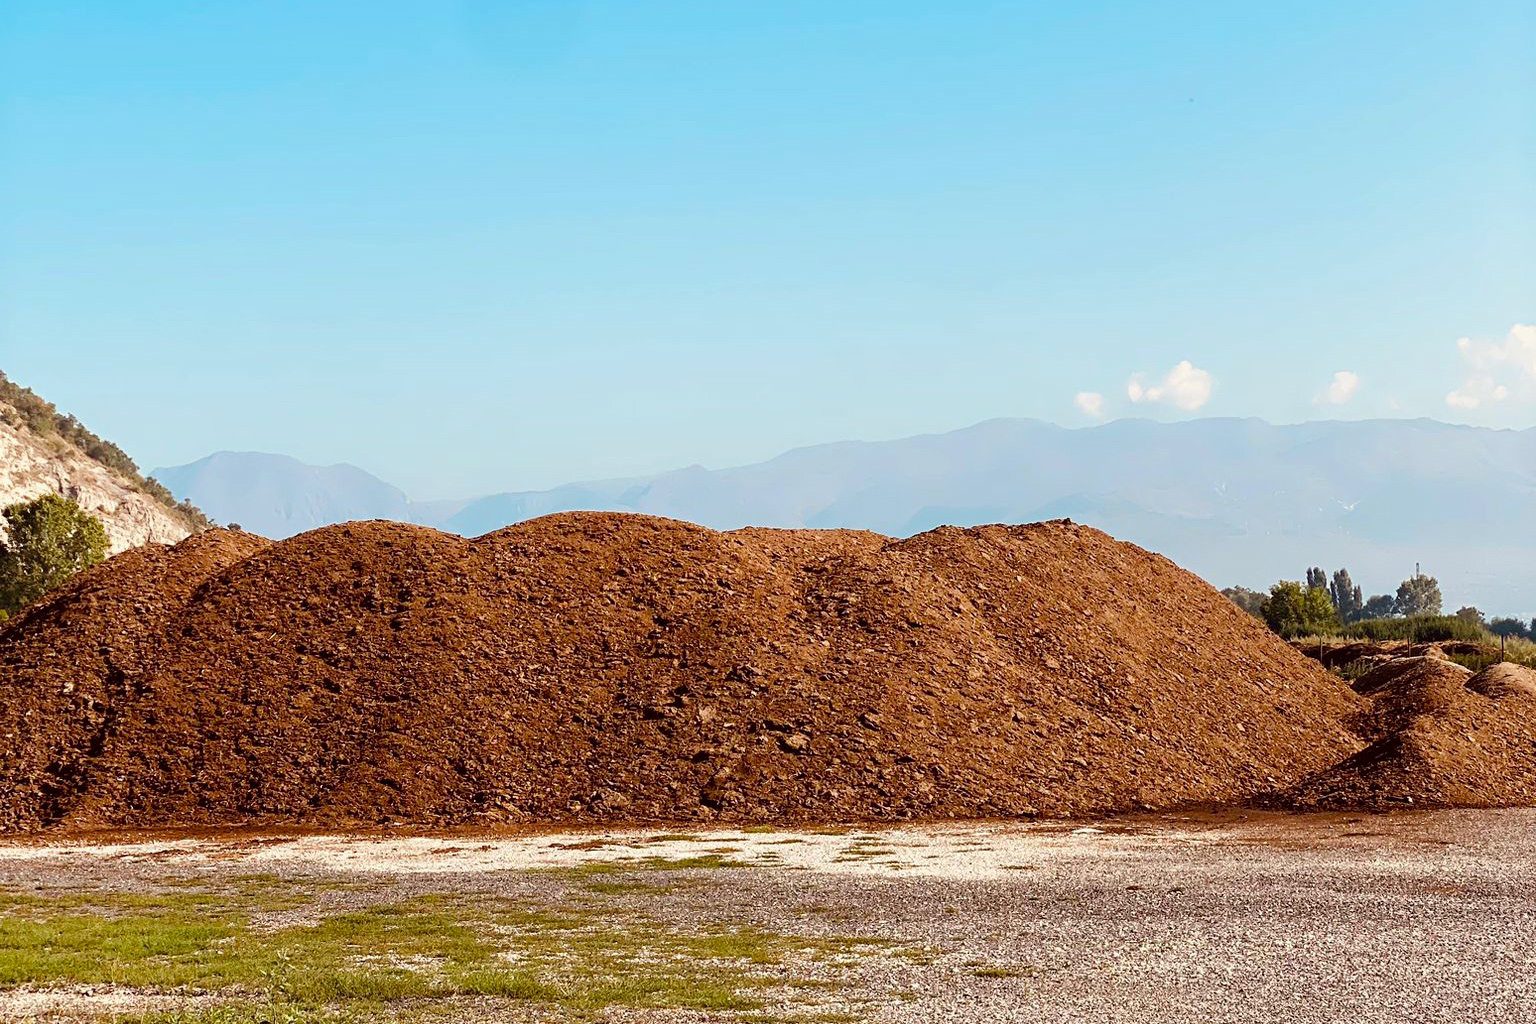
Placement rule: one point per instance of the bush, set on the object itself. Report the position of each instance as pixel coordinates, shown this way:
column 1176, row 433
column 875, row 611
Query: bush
column 48, row 540
column 1418, row 628
column 1293, row 610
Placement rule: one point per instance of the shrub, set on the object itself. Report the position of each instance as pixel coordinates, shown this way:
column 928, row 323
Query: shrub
column 49, row 539
column 1418, row 628
column 1293, row 610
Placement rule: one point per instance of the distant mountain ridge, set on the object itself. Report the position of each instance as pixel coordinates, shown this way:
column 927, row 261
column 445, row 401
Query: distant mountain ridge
column 278, row 496
column 1235, row 500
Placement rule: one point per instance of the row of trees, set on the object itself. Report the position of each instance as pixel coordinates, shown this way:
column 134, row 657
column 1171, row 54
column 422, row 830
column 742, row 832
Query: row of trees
column 1324, row 603
column 1502, row 625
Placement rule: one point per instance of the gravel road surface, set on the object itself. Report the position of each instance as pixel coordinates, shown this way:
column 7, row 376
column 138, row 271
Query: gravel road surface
column 1421, row 917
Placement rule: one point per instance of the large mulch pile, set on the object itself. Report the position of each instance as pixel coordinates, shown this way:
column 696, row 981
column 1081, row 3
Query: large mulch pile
column 588, row 667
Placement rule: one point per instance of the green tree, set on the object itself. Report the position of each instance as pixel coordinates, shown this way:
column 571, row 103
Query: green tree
column 1471, row 614
column 1418, row 595
column 1294, row 610
column 48, row 540
column 1380, row 606
column 1250, row 601
column 1347, row 597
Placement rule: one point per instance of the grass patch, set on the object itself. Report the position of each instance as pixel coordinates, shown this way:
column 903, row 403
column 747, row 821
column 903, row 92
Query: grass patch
column 393, row 958
column 702, row 862
column 863, row 849
column 244, row 1013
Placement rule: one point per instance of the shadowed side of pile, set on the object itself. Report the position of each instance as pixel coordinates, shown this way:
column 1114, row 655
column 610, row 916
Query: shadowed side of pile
column 1442, row 737
column 588, row 667
column 70, row 666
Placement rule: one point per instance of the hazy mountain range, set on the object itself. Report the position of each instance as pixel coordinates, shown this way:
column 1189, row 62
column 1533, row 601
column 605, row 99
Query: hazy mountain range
column 1235, row 500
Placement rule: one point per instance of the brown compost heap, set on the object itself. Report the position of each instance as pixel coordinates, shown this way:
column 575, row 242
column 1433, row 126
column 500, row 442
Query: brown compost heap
column 587, row 667
column 1440, row 736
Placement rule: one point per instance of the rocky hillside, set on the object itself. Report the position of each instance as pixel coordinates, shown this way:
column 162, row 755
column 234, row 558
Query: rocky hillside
column 42, row 451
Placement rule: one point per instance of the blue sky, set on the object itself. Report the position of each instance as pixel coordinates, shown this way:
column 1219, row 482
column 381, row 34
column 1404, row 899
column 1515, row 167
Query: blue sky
column 476, row 246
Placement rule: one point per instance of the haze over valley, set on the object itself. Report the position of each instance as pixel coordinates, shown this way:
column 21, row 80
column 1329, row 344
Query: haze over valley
column 1238, row 501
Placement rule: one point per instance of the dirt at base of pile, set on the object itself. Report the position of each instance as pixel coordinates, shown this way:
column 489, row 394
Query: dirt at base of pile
column 589, row 667
column 1441, row 735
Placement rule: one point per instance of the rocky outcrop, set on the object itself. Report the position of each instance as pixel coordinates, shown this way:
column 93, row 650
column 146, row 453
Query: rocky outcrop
column 32, row 465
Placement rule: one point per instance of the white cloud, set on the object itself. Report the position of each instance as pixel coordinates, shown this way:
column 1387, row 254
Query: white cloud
column 1497, row 370
column 1186, row 386
column 1091, row 403
column 1340, row 389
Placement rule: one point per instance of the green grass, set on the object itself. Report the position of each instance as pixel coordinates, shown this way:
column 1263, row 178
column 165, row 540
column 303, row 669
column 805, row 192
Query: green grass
column 706, row 861
column 391, row 958
column 1518, row 650
column 1419, row 628
column 244, row 1013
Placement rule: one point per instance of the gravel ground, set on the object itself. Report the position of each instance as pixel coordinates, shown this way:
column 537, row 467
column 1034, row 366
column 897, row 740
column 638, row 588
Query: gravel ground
column 1245, row 917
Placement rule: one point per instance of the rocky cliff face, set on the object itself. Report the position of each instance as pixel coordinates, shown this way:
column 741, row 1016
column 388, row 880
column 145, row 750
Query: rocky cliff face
column 33, row 464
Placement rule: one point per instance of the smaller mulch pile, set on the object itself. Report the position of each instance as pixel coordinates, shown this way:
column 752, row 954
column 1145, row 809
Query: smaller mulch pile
column 1441, row 736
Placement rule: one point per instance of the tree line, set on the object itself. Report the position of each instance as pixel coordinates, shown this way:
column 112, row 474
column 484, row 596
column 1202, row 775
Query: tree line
column 1324, row 604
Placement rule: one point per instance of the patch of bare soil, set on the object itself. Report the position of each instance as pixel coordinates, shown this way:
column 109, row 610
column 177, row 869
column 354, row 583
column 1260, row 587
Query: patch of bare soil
column 591, row 667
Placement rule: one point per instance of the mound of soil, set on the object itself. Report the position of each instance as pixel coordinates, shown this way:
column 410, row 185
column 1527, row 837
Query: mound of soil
column 72, row 664
column 587, row 667
column 1441, row 737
